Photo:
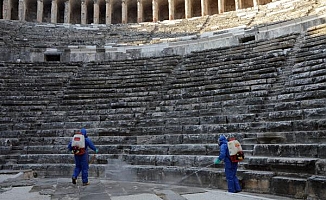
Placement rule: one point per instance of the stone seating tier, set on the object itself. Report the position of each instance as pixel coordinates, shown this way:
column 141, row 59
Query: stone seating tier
column 22, row 33
column 192, row 116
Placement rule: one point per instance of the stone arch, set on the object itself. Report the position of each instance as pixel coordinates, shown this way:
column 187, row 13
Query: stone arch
column 196, row 8
column 212, row 7
column 60, row 11
column 31, row 10
column 1, row 10
column 132, row 11
column 14, row 4
column 89, row 11
column 179, row 9
column 102, row 11
column 163, row 10
column 117, row 12
column 75, row 14
column 46, row 11
column 147, row 11
column 263, row 2
column 229, row 5
column 247, row 4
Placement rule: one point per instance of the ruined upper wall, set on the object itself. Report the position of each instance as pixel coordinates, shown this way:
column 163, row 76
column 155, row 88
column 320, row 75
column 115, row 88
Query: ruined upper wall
column 117, row 11
column 33, row 42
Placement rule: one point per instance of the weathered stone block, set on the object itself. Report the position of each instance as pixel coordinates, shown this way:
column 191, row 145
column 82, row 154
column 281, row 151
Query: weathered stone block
column 257, row 181
column 316, row 188
column 321, row 167
column 287, row 150
column 289, row 186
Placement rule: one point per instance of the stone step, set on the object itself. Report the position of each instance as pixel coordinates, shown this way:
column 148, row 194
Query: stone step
column 292, row 137
column 302, row 165
column 288, row 150
column 163, row 149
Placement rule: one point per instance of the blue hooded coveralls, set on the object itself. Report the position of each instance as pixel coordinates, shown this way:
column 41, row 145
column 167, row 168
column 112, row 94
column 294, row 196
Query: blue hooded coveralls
column 230, row 167
column 81, row 161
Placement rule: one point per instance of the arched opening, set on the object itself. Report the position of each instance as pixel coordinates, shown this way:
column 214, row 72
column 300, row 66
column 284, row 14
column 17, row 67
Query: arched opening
column 132, row 11
column 1, row 8
column 212, row 7
column 229, row 6
column 14, row 10
column 89, row 11
column 102, row 11
column 147, row 11
column 196, row 8
column 163, row 10
column 75, row 14
column 247, row 4
column 179, row 12
column 46, row 11
column 263, row 2
column 117, row 12
column 31, row 10
column 60, row 11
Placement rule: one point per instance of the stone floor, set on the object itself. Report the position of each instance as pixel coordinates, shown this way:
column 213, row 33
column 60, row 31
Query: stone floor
column 19, row 187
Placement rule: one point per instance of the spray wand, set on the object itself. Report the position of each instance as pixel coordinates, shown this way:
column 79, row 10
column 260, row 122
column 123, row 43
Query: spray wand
column 194, row 173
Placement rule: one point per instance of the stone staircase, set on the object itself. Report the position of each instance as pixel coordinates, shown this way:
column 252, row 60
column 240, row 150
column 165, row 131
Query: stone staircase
column 159, row 119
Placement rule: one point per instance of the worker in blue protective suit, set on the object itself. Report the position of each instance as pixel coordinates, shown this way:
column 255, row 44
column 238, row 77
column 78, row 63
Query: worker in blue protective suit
column 81, row 159
column 230, row 167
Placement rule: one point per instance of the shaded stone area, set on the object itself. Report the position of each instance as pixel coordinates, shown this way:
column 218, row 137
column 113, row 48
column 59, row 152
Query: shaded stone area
column 13, row 185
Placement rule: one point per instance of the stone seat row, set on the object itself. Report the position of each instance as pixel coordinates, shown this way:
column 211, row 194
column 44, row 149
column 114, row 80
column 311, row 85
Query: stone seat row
column 169, row 117
column 121, row 127
column 234, row 62
column 294, row 111
column 313, row 65
column 259, row 47
column 131, row 129
column 302, row 166
column 261, row 151
column 179, row 175
column 121, row 104
column 309, row 79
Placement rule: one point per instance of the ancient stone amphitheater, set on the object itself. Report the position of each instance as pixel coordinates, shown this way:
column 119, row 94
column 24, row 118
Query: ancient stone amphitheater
column 155, row 93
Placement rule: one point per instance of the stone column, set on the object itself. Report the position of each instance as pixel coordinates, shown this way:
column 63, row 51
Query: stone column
column 124, row 11
column 139, row 11
column 6, row 9
column 155, row 10
column 39, row 10
column 67, row 12
column 188, row 8
column 54, row 11
column 221, row 5
column 83, row 12
column 96, row 12
column 237, row 4
column 256, row 3
column 171, row 9
column 204, row 7
column 108, row 11
column 21, row 10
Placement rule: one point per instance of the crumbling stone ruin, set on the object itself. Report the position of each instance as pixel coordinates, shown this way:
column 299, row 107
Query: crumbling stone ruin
column 117, row 11
column 157, row 117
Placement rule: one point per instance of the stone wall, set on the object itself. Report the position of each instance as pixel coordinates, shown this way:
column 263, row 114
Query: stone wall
column 115, row 12
column 79, row 43
column 160, row 117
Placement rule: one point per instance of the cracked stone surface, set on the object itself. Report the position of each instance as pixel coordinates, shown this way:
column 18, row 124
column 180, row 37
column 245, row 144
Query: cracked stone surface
column 13, row 186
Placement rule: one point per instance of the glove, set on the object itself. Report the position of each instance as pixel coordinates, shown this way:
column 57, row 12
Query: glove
column 217, row 161
column 96, row 151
